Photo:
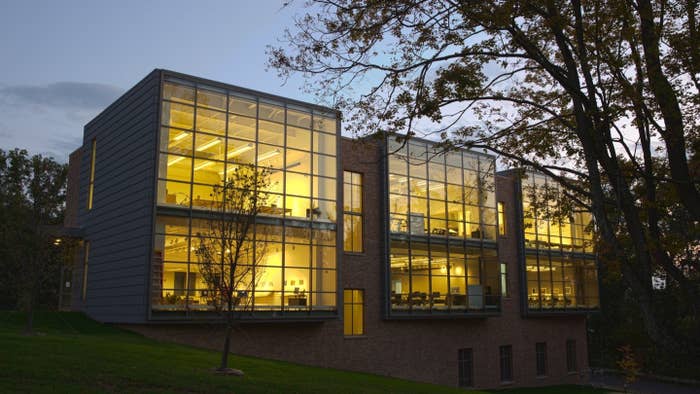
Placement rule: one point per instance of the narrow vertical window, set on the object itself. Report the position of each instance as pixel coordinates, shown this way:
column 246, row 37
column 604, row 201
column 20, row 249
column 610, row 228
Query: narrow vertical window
column 86, row 254
column 571, row 356
column 504, row 280
column 466, row 367
column 352, row 211
column 541, row 358
column 353, row 312
column 501, row 219
column 91, row 185
column 506, row 358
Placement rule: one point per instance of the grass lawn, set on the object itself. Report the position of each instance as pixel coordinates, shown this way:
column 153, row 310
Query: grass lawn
column 73, row 354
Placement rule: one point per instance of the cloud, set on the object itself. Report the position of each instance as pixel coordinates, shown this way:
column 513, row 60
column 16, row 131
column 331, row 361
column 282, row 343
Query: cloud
column 49, row 119
column 61, row 95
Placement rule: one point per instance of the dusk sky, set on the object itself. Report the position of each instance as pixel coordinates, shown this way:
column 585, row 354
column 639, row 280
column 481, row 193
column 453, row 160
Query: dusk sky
column 65, row 61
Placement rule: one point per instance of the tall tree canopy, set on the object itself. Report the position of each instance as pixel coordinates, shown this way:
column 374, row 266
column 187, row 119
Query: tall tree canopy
column 600, row 95
column 32, row 202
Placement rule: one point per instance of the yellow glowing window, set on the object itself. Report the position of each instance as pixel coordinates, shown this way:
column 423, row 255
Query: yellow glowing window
column 353, row 312
column 352, row 195
column 501, row 219
column 91, row 185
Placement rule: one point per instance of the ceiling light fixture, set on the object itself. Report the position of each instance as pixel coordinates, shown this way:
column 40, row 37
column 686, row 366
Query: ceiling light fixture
column 209, row 144
column 184, row 134
column 174, row 161
column 268, row 155
column 240, row 150
column 203, row 165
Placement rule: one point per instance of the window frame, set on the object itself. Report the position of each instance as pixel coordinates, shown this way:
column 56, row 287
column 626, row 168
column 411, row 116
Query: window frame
column 465, row 365
column 352, row 214
column 351, row 308
column 505, row 289
column 501, row 214
column 91, row 180
column 541, row 359
column 505, row 353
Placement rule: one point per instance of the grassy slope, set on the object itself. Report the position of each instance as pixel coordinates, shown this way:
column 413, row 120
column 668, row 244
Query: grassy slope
column 74, row 354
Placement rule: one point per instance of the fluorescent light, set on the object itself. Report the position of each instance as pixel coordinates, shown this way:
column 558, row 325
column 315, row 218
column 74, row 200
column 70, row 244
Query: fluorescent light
column 268, row 155
column 181, row 136
column 209, row 144
column 240, row 150
column 433, row 185
column 179, row 159
column 295, row 164
column 205, row 164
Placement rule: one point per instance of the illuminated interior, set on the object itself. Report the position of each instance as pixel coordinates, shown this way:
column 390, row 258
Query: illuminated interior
column 442, row 222
column 352, row 212
column 208, row 132
column 560, row 265
column 561, row 282
column 202, row 138
column 546, row 231
column 449, row 195
column 295, row 272
column 353, row 312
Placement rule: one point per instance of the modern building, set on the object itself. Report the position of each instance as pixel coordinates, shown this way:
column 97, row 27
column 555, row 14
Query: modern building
column 377, row 255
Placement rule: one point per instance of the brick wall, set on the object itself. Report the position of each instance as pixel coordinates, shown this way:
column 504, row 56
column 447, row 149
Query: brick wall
column 421, row 350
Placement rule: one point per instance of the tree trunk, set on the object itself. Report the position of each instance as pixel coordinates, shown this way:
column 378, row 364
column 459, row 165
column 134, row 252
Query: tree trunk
column 29, row 326
column 641, row 289
column 227, row 344
column 674, row 135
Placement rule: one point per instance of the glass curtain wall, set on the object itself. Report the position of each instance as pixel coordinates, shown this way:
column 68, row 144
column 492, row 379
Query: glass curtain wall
column 442, row 212
column 560, row 265
column 208, row 132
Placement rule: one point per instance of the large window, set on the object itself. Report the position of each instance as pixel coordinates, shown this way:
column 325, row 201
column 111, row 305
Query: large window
column 91, row 184
column 207, row 133
column 506, row 362
column 353, row 312
column 548, row 228
column 541, row 358
column 432, row 193
column 442, row 212
column 560, row 265
column 563, row 282
column 352, row 211
column 465, row 364
column 296, row 270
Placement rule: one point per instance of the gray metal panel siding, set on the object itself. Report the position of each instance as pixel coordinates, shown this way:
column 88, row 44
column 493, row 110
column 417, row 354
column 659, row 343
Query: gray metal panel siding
column 119, row 224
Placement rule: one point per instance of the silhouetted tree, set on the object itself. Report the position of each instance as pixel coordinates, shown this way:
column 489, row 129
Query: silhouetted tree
column 232, row 246
column 604, row 93
column 32, row 202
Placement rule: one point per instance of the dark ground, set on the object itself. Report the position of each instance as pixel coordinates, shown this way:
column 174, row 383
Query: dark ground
column 643, row 385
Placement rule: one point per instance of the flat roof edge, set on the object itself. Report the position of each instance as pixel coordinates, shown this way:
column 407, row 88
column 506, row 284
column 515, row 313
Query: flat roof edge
column 122, row 96
column 224, row 85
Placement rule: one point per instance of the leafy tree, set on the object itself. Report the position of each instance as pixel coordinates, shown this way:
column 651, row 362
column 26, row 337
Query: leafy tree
column 32, row 197
column 232, row 246
column 600, row 95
